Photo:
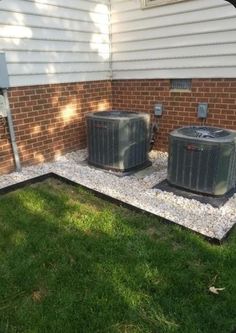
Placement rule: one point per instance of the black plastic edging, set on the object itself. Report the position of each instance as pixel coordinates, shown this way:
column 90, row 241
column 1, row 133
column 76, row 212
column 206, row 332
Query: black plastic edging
column 24, row 183
column 110, row 199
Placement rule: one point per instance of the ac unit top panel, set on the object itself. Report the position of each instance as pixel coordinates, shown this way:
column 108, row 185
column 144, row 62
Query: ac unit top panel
column 118, row 115
column 204, row 134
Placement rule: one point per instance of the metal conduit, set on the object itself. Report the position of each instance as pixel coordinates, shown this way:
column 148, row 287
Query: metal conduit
column 12, row 132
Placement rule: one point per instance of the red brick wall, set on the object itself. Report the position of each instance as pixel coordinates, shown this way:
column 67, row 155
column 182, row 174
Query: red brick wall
column 180, row 107
column 50, row 120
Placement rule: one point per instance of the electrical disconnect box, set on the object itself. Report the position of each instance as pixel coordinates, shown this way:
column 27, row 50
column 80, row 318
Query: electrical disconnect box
column 202, row 110
column 158, row 109
column 3, row 109
column 4, row 79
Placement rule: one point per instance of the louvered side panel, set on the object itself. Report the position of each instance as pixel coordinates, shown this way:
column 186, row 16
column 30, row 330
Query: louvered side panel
column 103, row 143
column 193, row 166
column 137, row 145
column 206, row 170
column 231, row 181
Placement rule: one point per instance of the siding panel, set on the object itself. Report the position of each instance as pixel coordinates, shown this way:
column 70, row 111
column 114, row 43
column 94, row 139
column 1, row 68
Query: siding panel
column 19, row 44
column 44, row 9
column 189, row 39
column 55, row 57
column 20, row 80
column 201, row 15
column 38, row 21
column 53, row 41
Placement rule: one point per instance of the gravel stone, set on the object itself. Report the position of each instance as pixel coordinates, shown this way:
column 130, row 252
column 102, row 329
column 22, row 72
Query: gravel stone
column 137, row 191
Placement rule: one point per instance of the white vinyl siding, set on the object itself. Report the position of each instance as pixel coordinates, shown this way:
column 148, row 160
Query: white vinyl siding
column 190, row 39
column 55, row 41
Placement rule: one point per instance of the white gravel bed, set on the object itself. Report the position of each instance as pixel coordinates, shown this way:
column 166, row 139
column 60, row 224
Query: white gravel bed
column 137, row 191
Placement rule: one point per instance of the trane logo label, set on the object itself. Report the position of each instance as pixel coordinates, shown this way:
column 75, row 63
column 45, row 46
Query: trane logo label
column 100, row 126
column 193, row 147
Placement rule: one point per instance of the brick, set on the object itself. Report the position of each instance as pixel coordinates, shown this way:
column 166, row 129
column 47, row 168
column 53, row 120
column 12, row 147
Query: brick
column 180, row 107
column 39, row 124
column 42, row 131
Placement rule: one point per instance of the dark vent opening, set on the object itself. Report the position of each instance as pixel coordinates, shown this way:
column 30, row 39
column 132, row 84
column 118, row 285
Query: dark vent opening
column 181, row 84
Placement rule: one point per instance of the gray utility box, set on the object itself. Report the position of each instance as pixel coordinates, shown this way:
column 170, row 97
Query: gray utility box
column 118, row 140
column 202, row 159
column 4, row 79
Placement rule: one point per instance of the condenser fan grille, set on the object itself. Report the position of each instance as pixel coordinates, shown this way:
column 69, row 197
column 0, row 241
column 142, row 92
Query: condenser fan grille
column 204, row 132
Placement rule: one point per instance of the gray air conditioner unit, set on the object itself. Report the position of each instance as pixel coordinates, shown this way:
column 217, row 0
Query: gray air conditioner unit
column 202, row 159
column 118, row 140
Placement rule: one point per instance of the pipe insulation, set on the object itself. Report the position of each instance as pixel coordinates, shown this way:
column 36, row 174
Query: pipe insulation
column 12, row 132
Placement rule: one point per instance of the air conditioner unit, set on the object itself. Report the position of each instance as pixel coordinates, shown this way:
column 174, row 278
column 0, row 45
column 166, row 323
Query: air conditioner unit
column 118, row 140
column 202, row 159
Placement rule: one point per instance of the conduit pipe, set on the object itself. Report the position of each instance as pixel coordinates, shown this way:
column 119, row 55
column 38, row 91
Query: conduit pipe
column 12, row 132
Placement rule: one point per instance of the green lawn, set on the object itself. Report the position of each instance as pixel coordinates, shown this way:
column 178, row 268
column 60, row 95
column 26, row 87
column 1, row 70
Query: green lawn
column 70, row 262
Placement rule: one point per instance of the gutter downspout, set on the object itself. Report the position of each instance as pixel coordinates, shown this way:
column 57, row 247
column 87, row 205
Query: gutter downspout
column 12, row 132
